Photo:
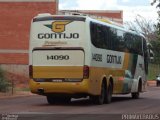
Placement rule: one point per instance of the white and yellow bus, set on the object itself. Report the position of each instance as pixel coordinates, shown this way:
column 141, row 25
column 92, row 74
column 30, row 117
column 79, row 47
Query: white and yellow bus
column 77, row 56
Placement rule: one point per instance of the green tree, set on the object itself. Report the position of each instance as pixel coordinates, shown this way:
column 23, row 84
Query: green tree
column 143, row 26
column 4, row 84
column 156, row 43
column 157, row 2
column 156, row 49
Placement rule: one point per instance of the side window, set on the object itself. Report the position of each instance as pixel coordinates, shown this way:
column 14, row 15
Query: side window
column 106, row 37
column 111, row 38
column 101, row 36
column 121, row 43
column 108, row 41
column 133, row 43
column 138, row 45
column 93, row 33
column 98, row 35
column 128, row 41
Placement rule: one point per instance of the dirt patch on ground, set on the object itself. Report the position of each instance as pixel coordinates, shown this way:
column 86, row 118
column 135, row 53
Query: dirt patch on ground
column 15, row 94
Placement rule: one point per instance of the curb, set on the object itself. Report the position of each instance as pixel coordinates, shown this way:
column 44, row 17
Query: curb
column 15, row 95
column 151, row 83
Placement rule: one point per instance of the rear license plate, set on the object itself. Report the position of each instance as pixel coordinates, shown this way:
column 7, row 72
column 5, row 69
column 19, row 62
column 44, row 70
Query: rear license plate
column 57, row 80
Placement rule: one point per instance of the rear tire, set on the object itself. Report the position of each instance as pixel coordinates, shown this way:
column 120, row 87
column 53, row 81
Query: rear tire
column 158, row 83
column 99, row 100
column 64, row 100
column 135, row 95
column 108, row 96
column 50, row 100
column 54, row 100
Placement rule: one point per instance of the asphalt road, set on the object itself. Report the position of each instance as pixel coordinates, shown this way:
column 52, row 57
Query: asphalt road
column 149, row 102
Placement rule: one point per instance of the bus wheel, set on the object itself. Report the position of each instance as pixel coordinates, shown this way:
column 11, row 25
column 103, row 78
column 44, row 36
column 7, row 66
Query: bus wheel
column 100, row 98
column 53, row 100
column 50, row 100
column 108, row 96
column 135, row 95
column 64, row 100
column 158, row 83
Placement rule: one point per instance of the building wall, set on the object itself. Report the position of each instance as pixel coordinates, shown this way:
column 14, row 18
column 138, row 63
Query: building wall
column 113, row 15
column 15, row 18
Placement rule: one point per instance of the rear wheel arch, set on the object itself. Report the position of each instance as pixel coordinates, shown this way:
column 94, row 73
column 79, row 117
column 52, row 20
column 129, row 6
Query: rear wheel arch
column 110, row 81
column 109, row 91
column 135, row 95
column 104, row 81
column 107, row 82
column 99, row 99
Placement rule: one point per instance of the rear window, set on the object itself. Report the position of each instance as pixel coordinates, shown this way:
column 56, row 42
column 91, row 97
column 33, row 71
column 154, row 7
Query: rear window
column 106, row 37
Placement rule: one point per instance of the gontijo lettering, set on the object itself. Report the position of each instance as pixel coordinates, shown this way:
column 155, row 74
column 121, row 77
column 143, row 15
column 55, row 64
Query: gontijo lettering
column 114, row 59
column 58, row 28
column 58, row 36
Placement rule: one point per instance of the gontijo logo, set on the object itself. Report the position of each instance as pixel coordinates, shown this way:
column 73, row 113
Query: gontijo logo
column 58, row 29
column 58, row 26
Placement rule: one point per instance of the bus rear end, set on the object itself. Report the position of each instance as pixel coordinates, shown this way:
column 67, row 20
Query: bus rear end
column 57, row 57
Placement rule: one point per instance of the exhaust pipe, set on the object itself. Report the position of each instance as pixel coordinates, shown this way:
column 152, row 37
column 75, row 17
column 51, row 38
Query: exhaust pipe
column 40, row 91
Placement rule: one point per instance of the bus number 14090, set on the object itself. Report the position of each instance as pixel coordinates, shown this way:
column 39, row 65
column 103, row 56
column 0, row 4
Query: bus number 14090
column 57, row 57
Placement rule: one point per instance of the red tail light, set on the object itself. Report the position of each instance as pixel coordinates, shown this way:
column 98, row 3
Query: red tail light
column 86, row 72
column 30, row 71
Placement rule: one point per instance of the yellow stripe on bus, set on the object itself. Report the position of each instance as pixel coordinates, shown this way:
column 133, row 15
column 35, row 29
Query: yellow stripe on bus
column 58, row 72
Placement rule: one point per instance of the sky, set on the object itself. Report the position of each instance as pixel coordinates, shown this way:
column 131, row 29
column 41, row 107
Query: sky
column 131, row 8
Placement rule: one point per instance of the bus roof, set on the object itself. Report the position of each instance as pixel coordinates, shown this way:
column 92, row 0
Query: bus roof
column 49, row 17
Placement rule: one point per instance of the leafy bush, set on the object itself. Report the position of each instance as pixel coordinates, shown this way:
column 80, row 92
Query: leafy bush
column 4, row 83
column 153, row 71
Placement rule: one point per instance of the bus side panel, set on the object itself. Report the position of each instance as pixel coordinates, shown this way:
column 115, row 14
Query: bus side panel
column 139, row 74
column 106, row 63
column 97, row 74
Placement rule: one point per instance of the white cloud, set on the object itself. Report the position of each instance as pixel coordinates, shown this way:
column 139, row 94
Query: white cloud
column 129, row 12
column 96, row 4
column 90, row 4
column 147, row 12
column 125, row 1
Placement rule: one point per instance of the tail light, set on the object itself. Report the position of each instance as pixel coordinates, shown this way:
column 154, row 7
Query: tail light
column 86, row 72
column 30, row 71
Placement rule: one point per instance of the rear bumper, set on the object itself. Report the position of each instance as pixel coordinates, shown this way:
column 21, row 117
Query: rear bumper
column 57, row 71
column 59, row 88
